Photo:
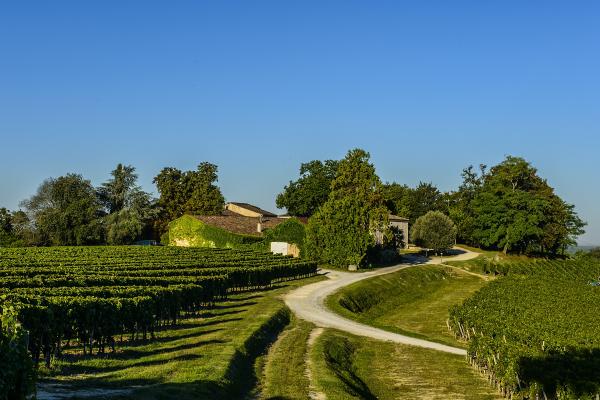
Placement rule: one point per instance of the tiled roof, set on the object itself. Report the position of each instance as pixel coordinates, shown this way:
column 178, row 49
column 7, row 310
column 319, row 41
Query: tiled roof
column 239, row 224
column 250, row 207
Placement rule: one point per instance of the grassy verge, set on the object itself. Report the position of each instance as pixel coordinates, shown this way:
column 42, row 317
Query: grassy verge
column 333, row 359
column 209, row 357
column 284, row 372
column 413, row 301
column 351, row 367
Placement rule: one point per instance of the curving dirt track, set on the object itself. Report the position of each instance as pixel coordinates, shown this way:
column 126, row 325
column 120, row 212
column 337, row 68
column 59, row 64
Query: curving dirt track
column 307, row 302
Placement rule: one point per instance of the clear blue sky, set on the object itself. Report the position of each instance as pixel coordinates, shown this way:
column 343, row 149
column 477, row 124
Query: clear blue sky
column 258, row 87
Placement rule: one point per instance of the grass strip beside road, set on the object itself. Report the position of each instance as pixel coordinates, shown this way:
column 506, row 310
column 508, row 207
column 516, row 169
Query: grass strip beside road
column 284, row 375
column 351, row 367
column 413, row 301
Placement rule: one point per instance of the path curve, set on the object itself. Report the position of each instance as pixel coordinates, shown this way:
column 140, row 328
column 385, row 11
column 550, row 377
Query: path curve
column 308, row 303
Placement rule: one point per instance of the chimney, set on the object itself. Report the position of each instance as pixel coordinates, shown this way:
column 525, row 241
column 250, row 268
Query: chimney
column 259, row 225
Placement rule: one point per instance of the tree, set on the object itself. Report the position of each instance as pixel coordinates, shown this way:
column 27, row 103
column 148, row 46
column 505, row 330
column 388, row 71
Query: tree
column 6, row 227
column 65, row 211
column 397, row 198
column 435, row 231
column 5, row 221
column 189, row 192
column 425, row 198
column 342, row 229
column 460, row 207
column 412, row 203
column 129, row 208
column 516, row 210
column 304, row 196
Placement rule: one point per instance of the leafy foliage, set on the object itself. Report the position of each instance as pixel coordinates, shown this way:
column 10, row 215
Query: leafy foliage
column 192, row 192
column 196, row 233
column 342, row 230
column 516, row 210
column 304, row 196
column 7, row 229
column 17, row 375
column 434, row 231
column 290, row 231
column 129, row 208
column 413, row 203
column 65, row 211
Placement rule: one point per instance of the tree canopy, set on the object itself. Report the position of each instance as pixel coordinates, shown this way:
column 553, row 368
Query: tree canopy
column 435, row 231
column 190, row 191
column 342, row 229
column 65, row 211
column 304, row 196
column 412, row 203
column 511, row 208
column 129, row 208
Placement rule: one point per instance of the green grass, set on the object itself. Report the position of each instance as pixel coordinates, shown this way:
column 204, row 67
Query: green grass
column 352, row 367
column 413, row 301
column 284, row 372
column 207, row 357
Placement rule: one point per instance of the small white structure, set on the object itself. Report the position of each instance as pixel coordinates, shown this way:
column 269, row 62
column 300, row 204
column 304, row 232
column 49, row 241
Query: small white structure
column 284, row 248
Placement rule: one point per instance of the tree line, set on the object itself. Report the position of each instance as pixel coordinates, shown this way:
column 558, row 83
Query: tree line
column 69, row 210
column 507, row 207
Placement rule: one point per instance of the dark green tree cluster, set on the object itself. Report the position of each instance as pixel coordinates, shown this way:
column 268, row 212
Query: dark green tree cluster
column 69, row 210
column 342, row 230
column 129, row 209
column 413, row 203
column 14, row 228
column 193, row 192
column 65, row 211
column 304, row 196
column 511, row 208
column 508, row 207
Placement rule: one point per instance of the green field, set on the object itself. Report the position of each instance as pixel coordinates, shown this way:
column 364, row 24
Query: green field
column 413, row 301
column 351, row 367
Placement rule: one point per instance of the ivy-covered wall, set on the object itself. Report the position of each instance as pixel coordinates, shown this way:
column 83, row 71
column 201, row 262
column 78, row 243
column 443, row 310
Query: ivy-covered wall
column 189, row 231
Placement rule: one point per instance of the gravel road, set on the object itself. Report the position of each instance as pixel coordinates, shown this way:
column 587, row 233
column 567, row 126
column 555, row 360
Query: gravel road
column 307, row 302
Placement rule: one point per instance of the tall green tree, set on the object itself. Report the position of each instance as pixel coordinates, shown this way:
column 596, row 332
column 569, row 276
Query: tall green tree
column 66, row 211
column 129, row 208
column 460, row 207
column 516, row 210
column 193, row 192
column 304, row 196
column 343, row 228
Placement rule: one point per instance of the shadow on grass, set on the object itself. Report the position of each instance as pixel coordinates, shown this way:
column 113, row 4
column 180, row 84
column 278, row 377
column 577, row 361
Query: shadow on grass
column 72, row 367
column 238, row 381
column 577, row 372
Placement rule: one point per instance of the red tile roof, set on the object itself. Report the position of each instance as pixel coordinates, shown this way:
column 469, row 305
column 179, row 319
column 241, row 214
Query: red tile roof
column 239, row 224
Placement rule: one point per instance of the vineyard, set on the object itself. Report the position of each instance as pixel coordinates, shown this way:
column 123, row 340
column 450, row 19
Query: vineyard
column 535, row 332
column 97, row 297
